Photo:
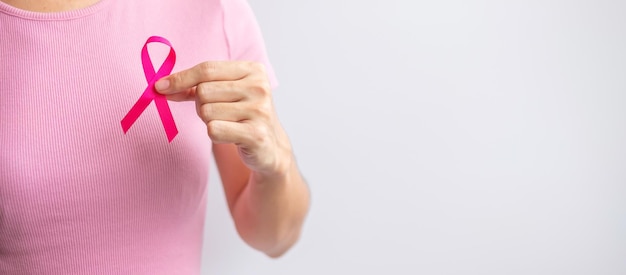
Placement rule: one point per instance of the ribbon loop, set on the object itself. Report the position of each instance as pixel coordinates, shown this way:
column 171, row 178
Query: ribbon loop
column 150, row 93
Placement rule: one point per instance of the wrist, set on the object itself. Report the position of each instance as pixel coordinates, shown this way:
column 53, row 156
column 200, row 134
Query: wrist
column 280, row 172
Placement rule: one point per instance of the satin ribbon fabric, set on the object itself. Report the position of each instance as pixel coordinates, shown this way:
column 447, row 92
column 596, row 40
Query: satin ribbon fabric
column 150, row 93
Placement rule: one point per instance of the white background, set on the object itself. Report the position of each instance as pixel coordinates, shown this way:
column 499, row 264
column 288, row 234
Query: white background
column 447, row 137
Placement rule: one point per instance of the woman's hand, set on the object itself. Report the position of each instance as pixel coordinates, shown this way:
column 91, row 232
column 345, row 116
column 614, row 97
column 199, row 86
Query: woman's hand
column 266, row 193
column 234, row 99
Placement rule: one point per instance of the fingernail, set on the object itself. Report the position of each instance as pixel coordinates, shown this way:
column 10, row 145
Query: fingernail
column 162, row 84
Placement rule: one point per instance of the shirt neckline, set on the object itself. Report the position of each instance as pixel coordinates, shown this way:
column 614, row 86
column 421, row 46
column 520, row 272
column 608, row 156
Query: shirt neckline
column 52, row 16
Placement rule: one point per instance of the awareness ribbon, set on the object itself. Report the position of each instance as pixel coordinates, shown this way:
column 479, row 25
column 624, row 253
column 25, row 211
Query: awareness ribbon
column 150, row 94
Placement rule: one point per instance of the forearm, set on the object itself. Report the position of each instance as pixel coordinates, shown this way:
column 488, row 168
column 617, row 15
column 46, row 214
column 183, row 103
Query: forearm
column 270, row 211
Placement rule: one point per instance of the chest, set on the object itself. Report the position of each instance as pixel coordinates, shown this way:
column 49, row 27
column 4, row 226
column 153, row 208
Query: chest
column 65, row 86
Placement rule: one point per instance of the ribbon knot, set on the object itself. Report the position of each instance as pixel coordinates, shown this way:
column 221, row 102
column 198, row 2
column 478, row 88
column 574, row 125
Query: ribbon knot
column 150, row 94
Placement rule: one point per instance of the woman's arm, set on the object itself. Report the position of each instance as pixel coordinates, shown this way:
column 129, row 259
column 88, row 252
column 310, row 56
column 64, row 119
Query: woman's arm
column 266, row 193
column 268, row 210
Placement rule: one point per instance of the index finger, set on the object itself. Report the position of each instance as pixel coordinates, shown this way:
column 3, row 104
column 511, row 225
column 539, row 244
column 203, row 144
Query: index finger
column 203, row 72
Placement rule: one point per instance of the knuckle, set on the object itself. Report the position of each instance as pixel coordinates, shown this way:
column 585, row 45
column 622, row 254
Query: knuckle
column 257, row 111
column 244, row 66
column 261, row 88
column 213, row 130
column 175, row 80
column 207, row 69
column 258, row 67
column 206, row 111
column 201, row 90
column 259, row 134
column 262, row 111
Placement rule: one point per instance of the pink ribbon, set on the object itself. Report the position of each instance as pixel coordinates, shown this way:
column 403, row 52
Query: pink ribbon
column 150, row 93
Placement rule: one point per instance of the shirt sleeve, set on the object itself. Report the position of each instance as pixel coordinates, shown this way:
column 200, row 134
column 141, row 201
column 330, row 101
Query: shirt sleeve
column 244, row 37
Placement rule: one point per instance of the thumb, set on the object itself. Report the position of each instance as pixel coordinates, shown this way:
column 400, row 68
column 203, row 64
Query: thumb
column 162, row 86
column 178, row 82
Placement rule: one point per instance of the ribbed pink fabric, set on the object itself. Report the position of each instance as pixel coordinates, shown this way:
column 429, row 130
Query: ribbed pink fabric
column 77, row 196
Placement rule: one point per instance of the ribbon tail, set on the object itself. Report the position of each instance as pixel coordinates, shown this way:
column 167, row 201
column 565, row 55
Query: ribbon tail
column 136, row 111
column 166, row 117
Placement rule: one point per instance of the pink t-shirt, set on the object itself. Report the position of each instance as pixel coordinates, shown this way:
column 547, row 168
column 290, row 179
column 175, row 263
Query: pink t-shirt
column 77, row 196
